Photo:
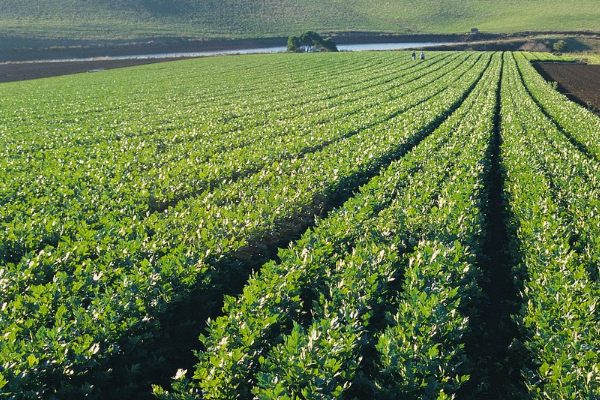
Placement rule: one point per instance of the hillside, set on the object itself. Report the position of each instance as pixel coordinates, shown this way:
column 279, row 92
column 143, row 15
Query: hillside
column 75, row 22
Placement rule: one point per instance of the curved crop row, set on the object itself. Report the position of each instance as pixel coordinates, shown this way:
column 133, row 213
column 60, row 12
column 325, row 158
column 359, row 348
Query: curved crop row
column 220, row 102
column 71, row 310
column 71, row 194
column 300, row 327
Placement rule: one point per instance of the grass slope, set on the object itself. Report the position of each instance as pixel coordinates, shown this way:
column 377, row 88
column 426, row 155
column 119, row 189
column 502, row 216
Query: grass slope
column 76, row 20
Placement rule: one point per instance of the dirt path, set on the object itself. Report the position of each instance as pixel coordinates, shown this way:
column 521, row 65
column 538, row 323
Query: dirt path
column 578, row 81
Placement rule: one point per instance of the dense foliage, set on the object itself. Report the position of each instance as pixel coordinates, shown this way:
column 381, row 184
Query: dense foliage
column 349, row 266
column 309, row 42
column 138, row 204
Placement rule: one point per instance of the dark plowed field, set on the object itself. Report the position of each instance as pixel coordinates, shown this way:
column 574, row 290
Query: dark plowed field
column 579, row 81
column 11, row 72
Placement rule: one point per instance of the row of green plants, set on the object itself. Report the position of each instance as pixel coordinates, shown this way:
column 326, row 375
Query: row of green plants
column 392, row 270
column 69, row 190
column 227, row 186
column 377, row 300
column 214, row 97
column 542, row 56
column 552, row 187
column 101, row 293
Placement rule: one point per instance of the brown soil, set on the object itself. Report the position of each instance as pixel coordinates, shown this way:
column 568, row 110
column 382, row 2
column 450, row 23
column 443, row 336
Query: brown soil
column 580, row 82
column 11, row 72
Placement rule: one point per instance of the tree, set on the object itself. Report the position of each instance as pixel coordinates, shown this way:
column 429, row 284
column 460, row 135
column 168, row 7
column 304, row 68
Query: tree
column 310, row 41
column 294, row 43
column 329, row 45
column 559, row 46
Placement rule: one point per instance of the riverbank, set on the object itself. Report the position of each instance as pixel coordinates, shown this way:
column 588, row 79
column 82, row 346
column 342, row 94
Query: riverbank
column 53, row 51
column 531, row 41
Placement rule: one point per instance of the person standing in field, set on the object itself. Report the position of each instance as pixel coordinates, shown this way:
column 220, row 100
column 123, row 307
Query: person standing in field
column 414, row 55
column 422, row 55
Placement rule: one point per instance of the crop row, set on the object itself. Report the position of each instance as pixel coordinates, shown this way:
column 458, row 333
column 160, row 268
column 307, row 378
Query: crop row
column 401, row 250
column 211, row 99
column 553, row 191
column 133, row 124
column 73, row 307
column 21, row 238
column 129, row 183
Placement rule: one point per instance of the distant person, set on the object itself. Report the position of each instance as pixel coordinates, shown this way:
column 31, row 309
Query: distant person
column 414, row 55
column 422, row 55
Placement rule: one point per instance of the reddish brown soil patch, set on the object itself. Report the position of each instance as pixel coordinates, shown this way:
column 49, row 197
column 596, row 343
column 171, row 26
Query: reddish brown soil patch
column 578, row 81
column 11, row 72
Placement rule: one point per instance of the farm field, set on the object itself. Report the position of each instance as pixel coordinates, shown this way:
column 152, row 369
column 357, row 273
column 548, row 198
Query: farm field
column 344, row 225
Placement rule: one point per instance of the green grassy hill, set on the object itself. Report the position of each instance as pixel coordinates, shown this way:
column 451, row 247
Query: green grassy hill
column 82, row 20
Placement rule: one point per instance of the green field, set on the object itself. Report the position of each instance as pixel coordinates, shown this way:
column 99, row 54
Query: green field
column 351, row 225
column 75, row 21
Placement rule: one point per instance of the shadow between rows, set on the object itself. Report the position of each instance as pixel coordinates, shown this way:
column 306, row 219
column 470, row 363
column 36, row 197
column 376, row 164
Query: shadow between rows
column 495, row 343
column 156, row 205
column 181, row 326
column 148, row 358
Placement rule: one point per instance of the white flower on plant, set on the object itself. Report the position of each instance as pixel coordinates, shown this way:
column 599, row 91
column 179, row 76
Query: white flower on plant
column 180, row 374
